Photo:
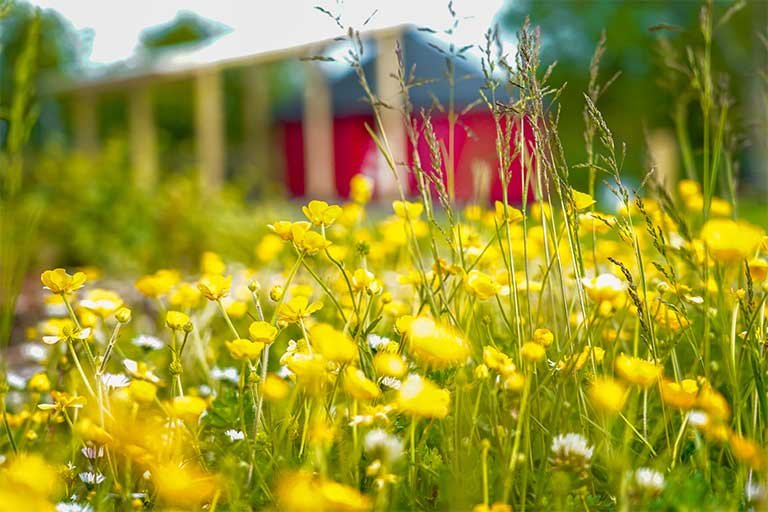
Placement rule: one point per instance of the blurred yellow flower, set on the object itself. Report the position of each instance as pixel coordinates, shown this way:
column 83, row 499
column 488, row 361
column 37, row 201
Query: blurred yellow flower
column 28, row 483
column 637, row 371
column 731, row 241
column 607, row 394
column 360, row 188
column 481, row 285
column 358, row 386
column 333, row 344
column 434, row 344
column 533, row 352
column 422, row 398
column 407, row 210
column 211, row 263
column 157, row 284
column 388, row 364
column 510, row 214
column 582, row 200
column 184, row 485
column 190, row 407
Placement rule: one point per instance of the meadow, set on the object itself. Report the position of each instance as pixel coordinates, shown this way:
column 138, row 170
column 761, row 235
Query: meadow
column 418, row 355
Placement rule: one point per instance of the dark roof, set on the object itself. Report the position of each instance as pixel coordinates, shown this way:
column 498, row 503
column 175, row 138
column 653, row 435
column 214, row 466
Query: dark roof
column 419, row 53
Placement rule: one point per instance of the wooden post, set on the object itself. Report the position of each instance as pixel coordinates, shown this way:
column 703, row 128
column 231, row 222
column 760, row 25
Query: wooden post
column 209, row 122
column 318, row 136
column 388, row 90
column 257, row 134
column 143, row 137
column 85, row 121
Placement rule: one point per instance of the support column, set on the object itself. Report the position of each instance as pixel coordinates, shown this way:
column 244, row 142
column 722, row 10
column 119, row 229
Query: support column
column 317, row 128
column 85, row 121
column 257, row 134
column 388, row 90
column 209, row 129
column 143, row 137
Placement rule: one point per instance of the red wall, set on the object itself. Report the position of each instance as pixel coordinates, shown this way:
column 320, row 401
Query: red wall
column 354, row 152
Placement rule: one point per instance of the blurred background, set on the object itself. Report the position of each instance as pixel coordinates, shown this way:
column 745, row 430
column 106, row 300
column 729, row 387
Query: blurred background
column 143, row 133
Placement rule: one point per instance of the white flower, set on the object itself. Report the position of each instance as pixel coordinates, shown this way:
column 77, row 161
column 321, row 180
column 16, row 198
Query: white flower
column 73, row 507
column 82, row 334
column 572, row 445
column 92, row 452
column 133, row 368
column 35, row 352
column 284, row 372
column 225, row 374
column 754, row 492
column 91, row 478
column 697, row 418
column 649, row 479
column 16, row 381
column 56, row 309
column 377, row 342
column 234, row 435
column 115, row 380
column 390, row 382
column 383, row 445
column 149, row 342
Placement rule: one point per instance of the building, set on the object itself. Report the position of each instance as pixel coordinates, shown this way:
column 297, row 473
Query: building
column 316, row 140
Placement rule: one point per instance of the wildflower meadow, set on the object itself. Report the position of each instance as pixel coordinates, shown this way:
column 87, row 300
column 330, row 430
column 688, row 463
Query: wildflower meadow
column 426, row 353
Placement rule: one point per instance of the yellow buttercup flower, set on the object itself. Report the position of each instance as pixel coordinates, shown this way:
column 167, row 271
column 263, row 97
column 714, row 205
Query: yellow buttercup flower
column 434, row 344
column 311, row 242
column 142, row 391
column 637, row 371
column 183, row 485
column 185, row 296
column 607, row 395
column 158, row 284
column 39, row 383
column 360, row 188
column 333, row 344
column 605, row 287
column 681, row 395
column 275, row 388
column 358, row 386
column 296, row 309
column 321, row 213
column 422, row 398
column 243, row 350
column 211, row 263
column 481, row 285
column 388, row 364
column 582, row 200
column 510, row 214
column 407, row 210
column 214, row 286
column 731, row 241
column 262, row 331
column 176, row 320
column 688, row 188
column 543, row 336
column 533, row 352
column 58, row 281
column 189, row 407
column 28, row 483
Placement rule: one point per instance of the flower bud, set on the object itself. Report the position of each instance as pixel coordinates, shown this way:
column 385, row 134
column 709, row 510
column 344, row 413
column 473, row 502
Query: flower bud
column 254, row 286
column 276, row 293
column 123, row 315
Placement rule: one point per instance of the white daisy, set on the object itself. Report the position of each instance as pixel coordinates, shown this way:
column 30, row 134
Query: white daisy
column 383, row 445
column 377, row 342
column 649, row 480
column 225, row 374
column 234, row 435
column 91, row 478
column 115, row 380
column 572, row 450
column 63, row 506
column 148, row 342
column 92, row 452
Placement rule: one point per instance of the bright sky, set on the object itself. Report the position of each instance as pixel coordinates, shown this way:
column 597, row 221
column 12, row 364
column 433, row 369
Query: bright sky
column 116, row 24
